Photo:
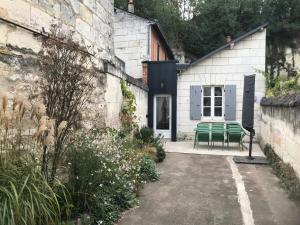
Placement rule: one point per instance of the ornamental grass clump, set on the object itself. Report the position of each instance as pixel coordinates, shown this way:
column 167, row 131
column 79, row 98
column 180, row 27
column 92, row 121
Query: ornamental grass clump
column 27, row 132
column 26, row 197
column 25, row 194
column 148, row 140
column 106, row 172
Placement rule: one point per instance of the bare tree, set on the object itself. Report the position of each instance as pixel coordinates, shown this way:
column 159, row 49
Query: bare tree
column 66, row 84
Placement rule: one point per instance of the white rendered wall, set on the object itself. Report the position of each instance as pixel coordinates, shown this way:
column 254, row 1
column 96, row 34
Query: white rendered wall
column 281, row 129
column 114, row 98
column 226, row 67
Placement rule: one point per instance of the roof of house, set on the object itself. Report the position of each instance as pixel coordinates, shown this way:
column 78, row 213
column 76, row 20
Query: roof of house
column 155, row 25
column 227, row 45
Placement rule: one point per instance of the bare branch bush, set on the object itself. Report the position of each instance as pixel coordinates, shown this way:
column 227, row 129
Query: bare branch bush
column 66, row 84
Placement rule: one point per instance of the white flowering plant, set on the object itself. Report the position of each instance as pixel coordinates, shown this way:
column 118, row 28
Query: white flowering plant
column 106, row 171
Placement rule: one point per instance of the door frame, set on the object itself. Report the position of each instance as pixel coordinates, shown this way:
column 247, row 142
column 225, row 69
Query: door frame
column 165, row 133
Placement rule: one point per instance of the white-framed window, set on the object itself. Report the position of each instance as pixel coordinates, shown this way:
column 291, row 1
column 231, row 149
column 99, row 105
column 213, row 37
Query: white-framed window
column 213, row 102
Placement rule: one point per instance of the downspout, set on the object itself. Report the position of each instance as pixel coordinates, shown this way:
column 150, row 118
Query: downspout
column 149, row 41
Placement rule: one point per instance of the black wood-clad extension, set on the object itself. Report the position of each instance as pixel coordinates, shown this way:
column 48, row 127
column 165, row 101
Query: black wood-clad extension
column 162, row 79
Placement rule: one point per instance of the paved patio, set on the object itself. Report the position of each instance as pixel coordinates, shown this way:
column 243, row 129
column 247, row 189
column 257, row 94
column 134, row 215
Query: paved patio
column 203, row 149
column 196, row 189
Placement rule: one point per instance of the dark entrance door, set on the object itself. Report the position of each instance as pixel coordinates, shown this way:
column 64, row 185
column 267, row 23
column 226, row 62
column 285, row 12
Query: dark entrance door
column 162, row 98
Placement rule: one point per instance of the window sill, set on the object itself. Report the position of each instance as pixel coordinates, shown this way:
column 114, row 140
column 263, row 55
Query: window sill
column 214, row 119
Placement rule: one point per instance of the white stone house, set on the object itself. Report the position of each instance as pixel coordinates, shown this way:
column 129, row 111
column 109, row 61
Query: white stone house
column 138, row 39
column 211, row 88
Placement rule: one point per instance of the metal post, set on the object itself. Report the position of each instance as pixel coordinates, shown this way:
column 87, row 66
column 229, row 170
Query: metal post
column 250, row 144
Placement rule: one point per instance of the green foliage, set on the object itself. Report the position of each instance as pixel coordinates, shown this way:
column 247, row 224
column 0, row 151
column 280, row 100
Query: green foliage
column 146, row 136
column 161, row 154
column 281, row 85
column 148, row 169
column 106, row 171
column 285, row 172
column 128, row 109
column 26, row 198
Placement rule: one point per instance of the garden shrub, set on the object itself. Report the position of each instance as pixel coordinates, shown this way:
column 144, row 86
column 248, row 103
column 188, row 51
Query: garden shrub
column 106, row 171
column 26, row 197
column 290, row 181
column 148, row 171
column 147, row 137
column 282, row 85
column 161, row 154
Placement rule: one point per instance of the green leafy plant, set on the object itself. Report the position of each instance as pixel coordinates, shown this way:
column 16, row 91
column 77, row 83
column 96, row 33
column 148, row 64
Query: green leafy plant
column 148, row 169
column 106, row 171
column 26, row 197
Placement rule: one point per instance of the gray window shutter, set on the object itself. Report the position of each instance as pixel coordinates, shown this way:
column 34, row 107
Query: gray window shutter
column 195, row 102
column 230, row 102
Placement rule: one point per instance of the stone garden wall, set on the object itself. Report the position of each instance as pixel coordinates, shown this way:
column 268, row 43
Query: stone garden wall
column 280, row 128
column 92, row 24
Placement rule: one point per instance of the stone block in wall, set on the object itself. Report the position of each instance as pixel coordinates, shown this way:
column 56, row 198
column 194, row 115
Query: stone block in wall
column 39, row 19
column 51, row 7
column 3, row 34
column 67, row 14
column 243, row 52
column 27, row 41
column 75, row 4
column 220, row 61
column 19, row 14
column 86, row 14
column 91, row 4
column 83, row 28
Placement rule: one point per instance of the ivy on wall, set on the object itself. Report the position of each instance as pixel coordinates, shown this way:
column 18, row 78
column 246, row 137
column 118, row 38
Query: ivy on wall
column 127, row 114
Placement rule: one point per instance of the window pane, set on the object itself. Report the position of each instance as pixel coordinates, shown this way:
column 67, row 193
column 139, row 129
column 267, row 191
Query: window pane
column 162, row 113
column 207, row 101
column 218, row 101
column 207, row 91
column 218, row 91
column 207, row 111
column 218, row 111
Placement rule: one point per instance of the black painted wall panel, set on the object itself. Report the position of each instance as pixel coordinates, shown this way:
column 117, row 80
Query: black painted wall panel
column 162, row 79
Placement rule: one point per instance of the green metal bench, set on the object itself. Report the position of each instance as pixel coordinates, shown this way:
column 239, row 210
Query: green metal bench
column 235, row 134
column 202, row 133
column 218, row 133
column 231, row 132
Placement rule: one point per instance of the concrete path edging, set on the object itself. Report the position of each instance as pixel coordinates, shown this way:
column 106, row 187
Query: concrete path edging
column 242, row 194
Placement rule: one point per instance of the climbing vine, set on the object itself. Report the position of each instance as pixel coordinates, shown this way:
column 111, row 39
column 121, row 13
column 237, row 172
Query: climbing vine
column 127, row 115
